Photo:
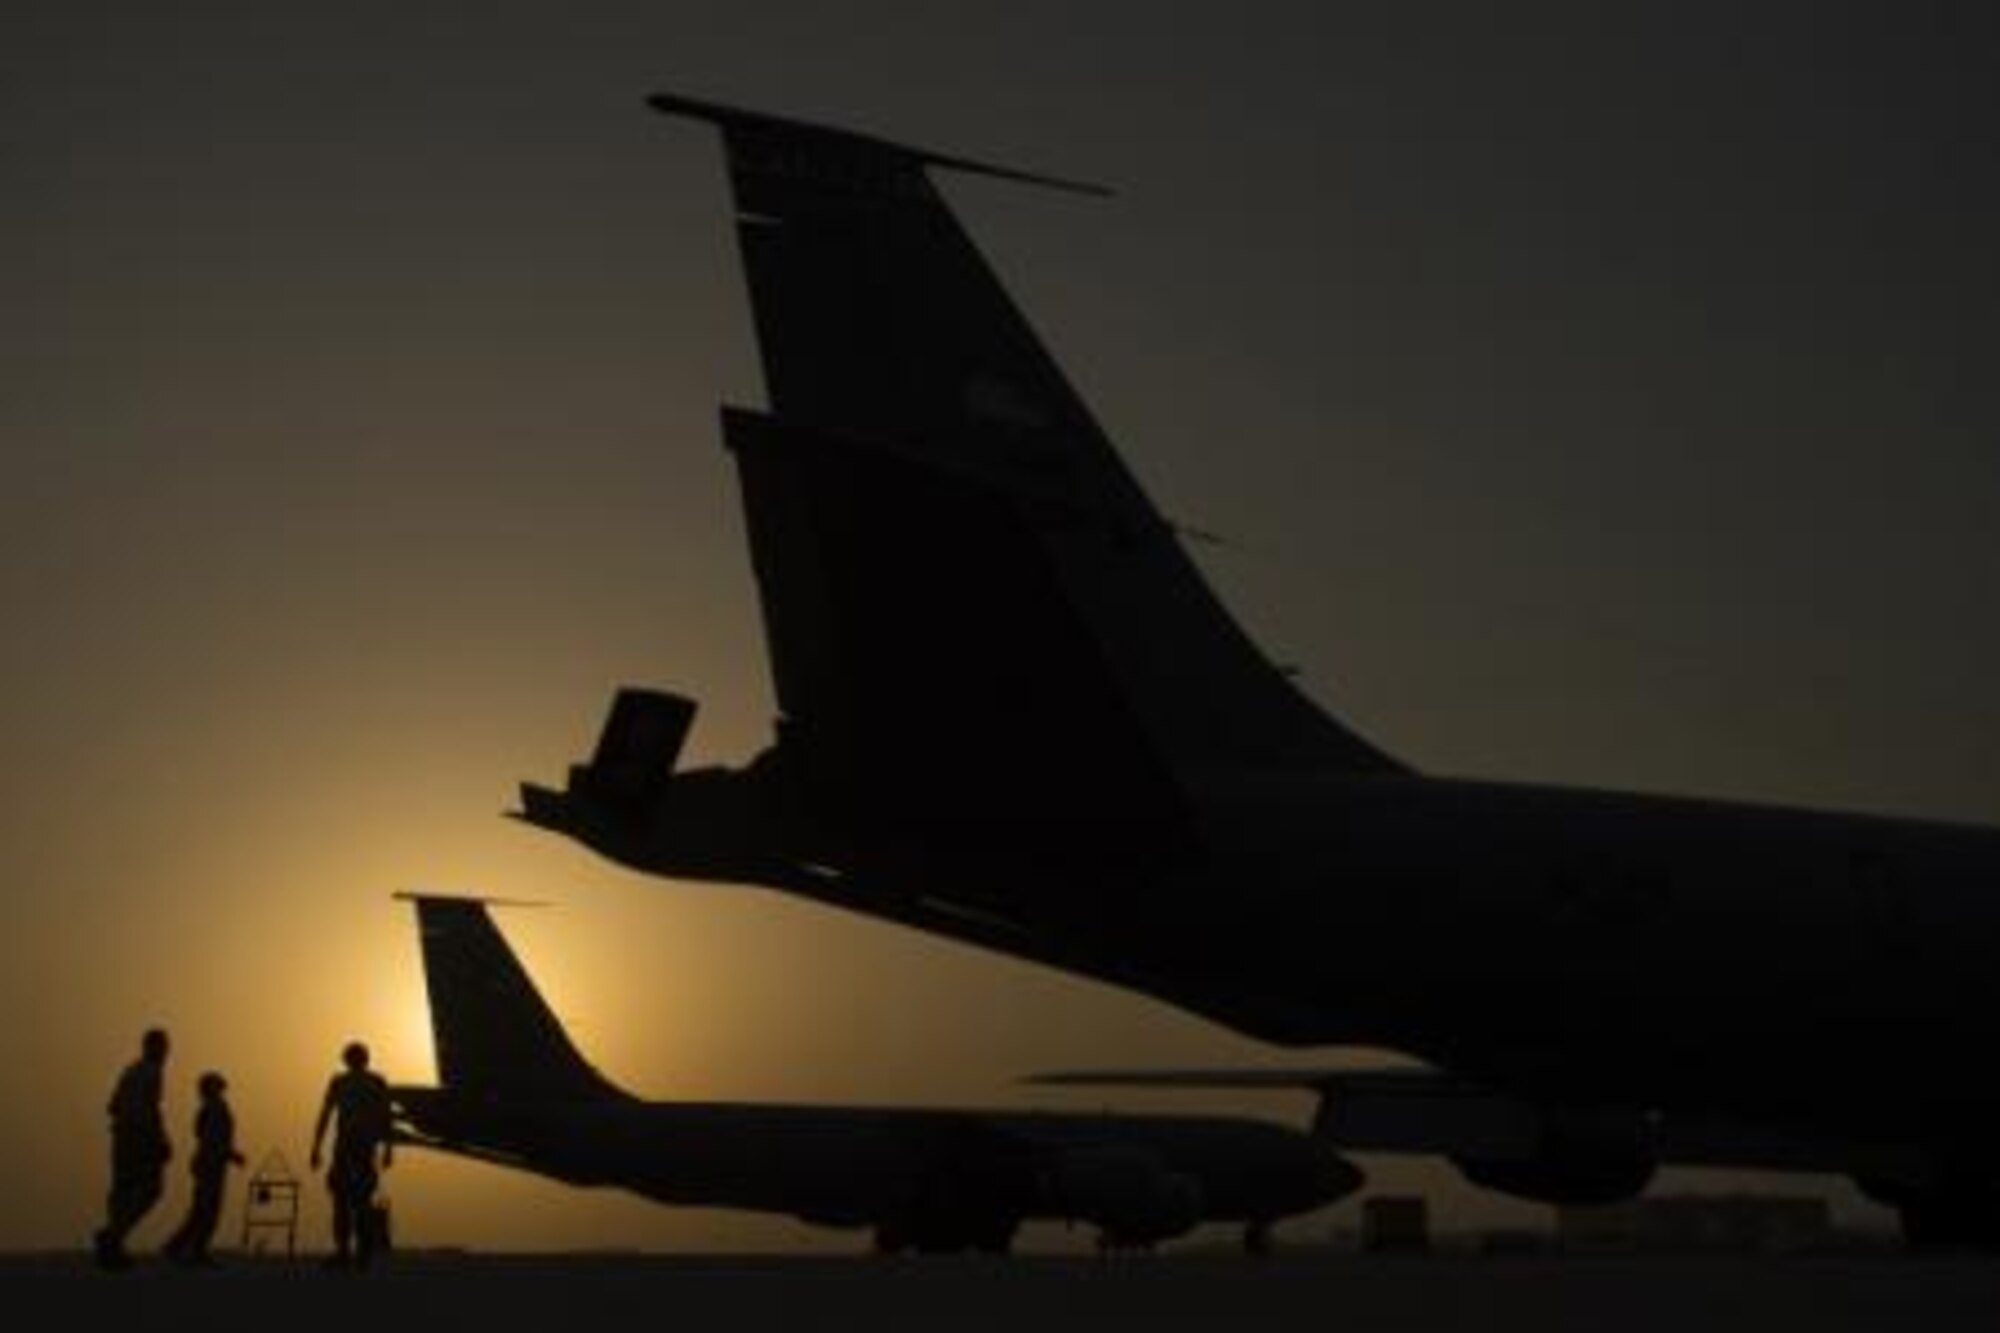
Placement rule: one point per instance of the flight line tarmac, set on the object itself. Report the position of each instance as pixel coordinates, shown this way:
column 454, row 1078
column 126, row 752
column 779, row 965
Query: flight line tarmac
column 1437, row 1293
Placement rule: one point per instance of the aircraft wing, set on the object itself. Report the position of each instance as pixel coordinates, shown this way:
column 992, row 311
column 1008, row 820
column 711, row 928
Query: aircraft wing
column 1421, row 1110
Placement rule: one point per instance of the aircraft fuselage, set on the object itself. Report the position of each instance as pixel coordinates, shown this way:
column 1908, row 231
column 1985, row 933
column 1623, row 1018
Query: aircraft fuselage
column 857, row 1166
column 1664, row 950
column 1568, row 944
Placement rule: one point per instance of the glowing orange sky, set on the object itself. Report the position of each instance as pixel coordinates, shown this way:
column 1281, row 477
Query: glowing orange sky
column 1577, row 406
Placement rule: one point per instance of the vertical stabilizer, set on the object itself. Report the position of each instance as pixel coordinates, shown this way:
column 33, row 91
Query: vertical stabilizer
column 959, row 576
column 495, row 1035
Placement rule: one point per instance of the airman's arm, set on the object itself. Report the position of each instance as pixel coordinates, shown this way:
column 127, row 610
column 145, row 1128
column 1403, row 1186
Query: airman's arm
column 319, row 1126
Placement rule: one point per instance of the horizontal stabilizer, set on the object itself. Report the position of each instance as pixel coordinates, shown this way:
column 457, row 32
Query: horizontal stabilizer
column 735, row 119
column 480, row 900
column 541, row 806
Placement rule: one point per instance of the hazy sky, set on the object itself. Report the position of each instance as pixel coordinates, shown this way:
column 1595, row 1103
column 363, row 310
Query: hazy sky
column 1590, row 393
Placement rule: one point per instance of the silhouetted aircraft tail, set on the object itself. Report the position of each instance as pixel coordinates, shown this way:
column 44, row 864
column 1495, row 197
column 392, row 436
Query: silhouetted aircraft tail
column 970, row 603
column 495, row 1036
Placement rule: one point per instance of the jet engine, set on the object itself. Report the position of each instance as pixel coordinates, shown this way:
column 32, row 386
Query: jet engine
column 1127, row 1193
column 1577, row 1158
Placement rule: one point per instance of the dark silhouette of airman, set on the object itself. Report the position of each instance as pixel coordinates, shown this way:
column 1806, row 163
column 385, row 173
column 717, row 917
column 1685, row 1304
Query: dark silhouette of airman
column 358, row 1099
column 214, row 1153
column 140, row 1149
